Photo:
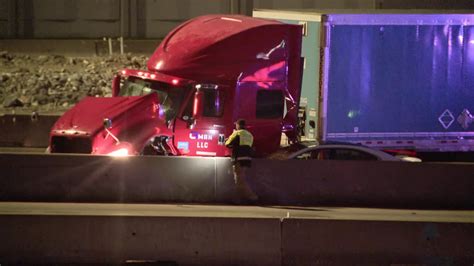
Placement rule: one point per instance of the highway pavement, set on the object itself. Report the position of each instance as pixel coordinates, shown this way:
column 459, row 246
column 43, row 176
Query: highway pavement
column 227, row 211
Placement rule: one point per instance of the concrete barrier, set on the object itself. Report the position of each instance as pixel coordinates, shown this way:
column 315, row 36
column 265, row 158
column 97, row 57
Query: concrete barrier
column 71, row 233
column 110, row 240
column 365, row 183
column 82, row 178
column 331, row 242
column 25, row 131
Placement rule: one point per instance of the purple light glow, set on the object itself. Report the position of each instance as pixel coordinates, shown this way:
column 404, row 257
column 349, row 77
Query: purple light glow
column 217, row 101
column 470, row 51
column 401, row 19
column 266, row 74
column 450, row 45
column 446, row 30
column 461, row 35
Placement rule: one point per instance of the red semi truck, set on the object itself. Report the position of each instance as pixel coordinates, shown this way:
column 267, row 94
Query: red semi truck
column 206, row 74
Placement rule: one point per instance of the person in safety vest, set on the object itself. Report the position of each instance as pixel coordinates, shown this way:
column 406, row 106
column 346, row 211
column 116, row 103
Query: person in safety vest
column 241, row 142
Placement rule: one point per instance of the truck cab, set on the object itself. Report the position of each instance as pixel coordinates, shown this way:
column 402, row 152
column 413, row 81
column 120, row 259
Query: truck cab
column 206, row 74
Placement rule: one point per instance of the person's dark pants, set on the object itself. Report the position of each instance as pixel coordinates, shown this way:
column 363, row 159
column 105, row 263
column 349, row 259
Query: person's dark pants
column 240, row 174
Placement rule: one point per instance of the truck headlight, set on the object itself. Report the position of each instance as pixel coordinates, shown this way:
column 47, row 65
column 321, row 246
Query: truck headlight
column 119, row 153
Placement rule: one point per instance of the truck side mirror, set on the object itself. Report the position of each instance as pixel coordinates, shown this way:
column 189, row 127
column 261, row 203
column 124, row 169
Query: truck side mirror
column 116, row 85
column 198, row 104
column 107, row 123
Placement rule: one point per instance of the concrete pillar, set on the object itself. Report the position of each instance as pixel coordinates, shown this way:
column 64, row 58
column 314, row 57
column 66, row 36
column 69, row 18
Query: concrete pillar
column 246, row 7
column 25, row 18
column 134, row 18
column 124, row 18
column 12, row 18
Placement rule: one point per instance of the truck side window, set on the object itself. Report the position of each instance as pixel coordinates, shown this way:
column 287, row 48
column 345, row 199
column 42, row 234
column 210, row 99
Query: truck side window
column 135, row 87
column 213, row 103
column 270, row 104
column 188, row 111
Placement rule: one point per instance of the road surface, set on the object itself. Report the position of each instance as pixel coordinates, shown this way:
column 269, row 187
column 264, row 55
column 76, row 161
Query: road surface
column 225, row 211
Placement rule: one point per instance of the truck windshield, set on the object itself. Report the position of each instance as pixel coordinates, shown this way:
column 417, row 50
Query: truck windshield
column 169, row 97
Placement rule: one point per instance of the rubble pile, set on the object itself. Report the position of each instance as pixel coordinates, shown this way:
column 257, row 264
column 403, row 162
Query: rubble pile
column 56, row 82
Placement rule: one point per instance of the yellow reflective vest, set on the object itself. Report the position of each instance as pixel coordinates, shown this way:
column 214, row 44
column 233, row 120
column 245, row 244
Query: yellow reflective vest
column 241, row 142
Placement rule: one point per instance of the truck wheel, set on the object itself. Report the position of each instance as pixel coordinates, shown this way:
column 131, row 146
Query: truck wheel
column 148, row 150
column 156, row 146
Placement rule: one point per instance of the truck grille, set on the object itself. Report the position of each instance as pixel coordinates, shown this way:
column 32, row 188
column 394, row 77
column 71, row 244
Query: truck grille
column 62, row 144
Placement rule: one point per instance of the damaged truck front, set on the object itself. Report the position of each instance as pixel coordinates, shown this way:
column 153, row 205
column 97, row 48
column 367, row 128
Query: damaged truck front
column 206, row 74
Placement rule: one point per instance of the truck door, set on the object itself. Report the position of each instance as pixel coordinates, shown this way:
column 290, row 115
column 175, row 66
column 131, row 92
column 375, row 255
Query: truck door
column 261, row 104
column 201, row 130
